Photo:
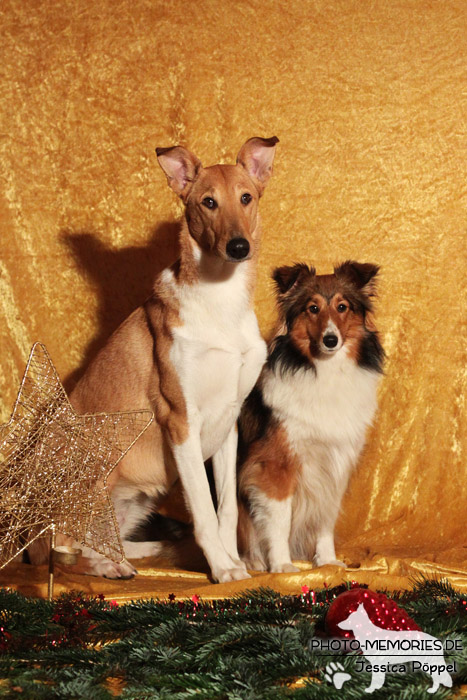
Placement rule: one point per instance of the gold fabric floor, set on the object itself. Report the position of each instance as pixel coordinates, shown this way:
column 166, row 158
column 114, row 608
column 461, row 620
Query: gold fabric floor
column 157, row 579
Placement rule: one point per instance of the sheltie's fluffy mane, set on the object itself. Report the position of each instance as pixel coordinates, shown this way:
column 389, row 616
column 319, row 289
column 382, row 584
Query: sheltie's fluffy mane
column 296, row 286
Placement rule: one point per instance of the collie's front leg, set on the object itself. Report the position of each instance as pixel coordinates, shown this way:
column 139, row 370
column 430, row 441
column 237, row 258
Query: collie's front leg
column 189, row 459
column 224, row 464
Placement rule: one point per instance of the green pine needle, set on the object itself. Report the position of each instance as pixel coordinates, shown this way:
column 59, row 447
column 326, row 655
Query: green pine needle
column 255, row 646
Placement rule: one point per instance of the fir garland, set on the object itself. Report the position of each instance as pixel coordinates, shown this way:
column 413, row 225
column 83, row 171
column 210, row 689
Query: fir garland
column 255, row 646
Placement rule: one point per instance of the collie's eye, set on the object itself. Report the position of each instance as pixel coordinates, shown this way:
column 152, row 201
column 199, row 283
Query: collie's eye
column 209, row 203
column 246, row 198
column 341, row 308
column 313, row 309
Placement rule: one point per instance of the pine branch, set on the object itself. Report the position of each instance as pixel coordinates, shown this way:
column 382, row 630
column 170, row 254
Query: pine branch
column 253, row 646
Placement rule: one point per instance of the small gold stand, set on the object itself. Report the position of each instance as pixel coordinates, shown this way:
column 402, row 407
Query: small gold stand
column 59, row 555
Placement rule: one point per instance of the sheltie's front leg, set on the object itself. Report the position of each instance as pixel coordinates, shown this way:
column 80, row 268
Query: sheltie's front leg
column 325, row 552
column 272, row 518
column 338, row 466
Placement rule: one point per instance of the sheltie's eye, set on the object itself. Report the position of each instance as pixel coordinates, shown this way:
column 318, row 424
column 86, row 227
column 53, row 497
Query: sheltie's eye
column 341, row 308
column 313, row 309
column 246, row 198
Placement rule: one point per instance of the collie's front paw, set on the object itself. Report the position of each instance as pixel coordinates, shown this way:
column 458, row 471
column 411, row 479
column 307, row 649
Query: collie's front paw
column 226, row 575
column 286, row 568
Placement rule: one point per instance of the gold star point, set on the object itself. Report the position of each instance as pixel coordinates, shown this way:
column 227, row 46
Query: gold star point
column 54, row 465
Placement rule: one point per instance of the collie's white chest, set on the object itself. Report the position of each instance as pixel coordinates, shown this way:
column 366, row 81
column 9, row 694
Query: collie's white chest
column 331, row 407
column 218, row 353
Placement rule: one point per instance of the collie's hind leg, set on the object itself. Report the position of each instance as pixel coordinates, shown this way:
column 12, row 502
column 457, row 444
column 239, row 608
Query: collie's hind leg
column 94, row 564
column 90, row 562
column 273, row 519
column 131, row 509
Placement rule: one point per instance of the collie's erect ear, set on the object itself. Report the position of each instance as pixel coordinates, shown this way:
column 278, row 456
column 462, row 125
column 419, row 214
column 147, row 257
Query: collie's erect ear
column 362, row 275
column 287, row 276
column 181, row 168
column 257, row 156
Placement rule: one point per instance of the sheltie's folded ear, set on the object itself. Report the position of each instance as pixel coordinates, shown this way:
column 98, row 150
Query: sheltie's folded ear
column 287, row 276
column 362, row 275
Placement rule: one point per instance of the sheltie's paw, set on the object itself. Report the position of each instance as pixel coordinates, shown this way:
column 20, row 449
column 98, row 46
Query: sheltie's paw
column 226, row 575
column 321, row 561
column 287, row 568
column 338, row 562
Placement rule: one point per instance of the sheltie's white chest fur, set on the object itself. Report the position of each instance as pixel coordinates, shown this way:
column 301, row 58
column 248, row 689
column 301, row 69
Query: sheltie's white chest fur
column 325, row 416
column 333, row 406
column 218, row 352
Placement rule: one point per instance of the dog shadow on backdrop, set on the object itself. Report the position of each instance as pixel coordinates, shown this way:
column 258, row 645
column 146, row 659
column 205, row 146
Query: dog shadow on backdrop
column 122, row 279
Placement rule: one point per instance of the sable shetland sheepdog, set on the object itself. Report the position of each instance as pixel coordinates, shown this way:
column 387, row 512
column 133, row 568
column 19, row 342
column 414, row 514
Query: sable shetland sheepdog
column 303, row 425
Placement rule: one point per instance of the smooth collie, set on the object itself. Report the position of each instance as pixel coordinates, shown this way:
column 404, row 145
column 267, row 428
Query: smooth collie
column 191, row 354
column 302, row 427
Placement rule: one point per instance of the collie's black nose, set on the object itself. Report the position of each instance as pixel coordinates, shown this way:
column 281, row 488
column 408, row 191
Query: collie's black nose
column 330, row 340
column 238, row 248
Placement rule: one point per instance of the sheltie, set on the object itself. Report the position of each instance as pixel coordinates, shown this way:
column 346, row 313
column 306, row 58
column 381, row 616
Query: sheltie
column 302, row 427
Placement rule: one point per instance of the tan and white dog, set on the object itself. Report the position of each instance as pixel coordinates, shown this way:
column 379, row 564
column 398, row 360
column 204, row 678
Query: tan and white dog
column 190, row 354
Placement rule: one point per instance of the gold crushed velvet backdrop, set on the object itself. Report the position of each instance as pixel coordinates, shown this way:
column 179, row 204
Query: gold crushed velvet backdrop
column 368, row 100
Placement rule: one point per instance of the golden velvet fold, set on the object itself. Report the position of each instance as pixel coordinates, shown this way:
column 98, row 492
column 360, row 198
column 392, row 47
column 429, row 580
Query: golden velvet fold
column 368, row 100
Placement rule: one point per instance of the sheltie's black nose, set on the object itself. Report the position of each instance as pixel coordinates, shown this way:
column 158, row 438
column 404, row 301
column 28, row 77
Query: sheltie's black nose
column 330, row 340
column 238, row 248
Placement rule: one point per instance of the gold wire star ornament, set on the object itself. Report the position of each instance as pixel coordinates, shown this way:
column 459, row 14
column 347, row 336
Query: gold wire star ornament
column 54, row 466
